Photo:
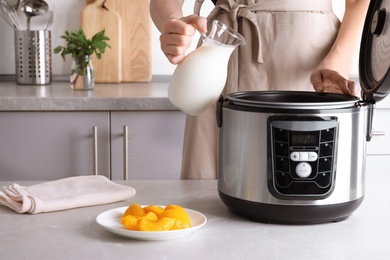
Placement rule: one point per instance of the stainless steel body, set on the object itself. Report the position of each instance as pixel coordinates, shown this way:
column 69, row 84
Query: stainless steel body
column 245, row 154
column 33, row 57
column 292, row 157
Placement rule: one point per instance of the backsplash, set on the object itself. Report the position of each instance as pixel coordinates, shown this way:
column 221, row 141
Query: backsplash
column 67, row 17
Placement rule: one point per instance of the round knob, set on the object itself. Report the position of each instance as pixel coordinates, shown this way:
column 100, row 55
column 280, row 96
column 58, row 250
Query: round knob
column 303, row 169
column 378, row 22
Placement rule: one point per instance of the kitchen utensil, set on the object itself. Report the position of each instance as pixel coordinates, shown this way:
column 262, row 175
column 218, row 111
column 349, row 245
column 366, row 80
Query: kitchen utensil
column 299, row 157
column 9, row 14
column 6, row 17
column 136, row 39
column 33, row 57
column 94, row 18
column 33, row 8
column 14, row 3
column 17, row 5
column 200, row 78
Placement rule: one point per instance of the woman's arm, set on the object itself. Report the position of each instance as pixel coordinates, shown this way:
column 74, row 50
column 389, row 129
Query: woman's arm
column 176, row 31
column 163, row 10
column 333, row 71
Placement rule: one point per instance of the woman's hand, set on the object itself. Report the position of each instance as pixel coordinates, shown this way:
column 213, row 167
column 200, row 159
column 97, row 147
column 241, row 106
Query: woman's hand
column 176, row 36
column 327, row 80
column 331, row 75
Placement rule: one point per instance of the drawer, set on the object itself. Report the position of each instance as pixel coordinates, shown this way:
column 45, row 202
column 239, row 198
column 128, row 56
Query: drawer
column 380, row 142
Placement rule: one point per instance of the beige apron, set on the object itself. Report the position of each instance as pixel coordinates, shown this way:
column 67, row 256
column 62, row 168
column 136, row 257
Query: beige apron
column 286, row 40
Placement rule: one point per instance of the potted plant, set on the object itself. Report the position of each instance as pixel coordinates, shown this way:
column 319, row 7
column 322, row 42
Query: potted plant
column 81, row 49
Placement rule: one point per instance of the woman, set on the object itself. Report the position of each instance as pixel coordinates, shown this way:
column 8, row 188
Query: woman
column 291, row 45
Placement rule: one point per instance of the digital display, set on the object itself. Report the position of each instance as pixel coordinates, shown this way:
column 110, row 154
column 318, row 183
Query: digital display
column 304, row 139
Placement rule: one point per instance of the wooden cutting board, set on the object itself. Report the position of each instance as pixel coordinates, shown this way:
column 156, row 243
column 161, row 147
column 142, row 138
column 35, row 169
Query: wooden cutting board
column 136, row 38
column 94, row 18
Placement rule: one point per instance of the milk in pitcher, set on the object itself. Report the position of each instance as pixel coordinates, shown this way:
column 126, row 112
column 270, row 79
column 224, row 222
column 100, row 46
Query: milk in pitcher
column 200, row 78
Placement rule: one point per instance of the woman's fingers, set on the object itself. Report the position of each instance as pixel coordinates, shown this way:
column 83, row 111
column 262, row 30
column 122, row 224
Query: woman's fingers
column 331, row 81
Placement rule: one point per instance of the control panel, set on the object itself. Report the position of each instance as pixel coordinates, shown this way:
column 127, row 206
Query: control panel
column 303, row 157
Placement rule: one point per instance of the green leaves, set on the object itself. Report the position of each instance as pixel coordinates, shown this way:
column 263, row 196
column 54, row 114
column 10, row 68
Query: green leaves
column 78, row 46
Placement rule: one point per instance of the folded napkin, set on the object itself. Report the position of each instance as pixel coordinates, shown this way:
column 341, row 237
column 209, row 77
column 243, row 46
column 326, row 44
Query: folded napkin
column 72, row 192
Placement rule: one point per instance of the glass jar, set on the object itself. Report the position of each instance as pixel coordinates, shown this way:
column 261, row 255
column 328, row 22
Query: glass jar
column 82, row 76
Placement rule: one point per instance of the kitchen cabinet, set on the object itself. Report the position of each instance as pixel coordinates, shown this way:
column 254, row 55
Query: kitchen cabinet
column 53, row 145
column 119, row 145
column 146, row 144
column 128, row 144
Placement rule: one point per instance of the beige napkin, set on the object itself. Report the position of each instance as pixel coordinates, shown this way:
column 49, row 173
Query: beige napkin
column 72, row 192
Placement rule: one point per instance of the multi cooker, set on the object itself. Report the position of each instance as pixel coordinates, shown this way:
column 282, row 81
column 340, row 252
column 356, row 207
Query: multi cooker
column 300, row 157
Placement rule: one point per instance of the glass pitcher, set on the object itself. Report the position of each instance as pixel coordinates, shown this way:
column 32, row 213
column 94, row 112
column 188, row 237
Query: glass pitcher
column 199, row 79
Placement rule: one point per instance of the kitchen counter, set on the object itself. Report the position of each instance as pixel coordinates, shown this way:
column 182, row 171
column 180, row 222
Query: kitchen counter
column 59, row 96
column 74, row 234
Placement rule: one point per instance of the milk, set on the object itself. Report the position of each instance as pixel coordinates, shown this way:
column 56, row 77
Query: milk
column 199, row 79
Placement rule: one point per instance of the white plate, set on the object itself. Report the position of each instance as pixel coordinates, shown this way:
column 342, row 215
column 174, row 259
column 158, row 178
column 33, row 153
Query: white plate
column 110, row 220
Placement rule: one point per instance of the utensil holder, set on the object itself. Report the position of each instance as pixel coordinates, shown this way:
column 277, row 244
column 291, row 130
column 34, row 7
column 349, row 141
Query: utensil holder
column 33, row 57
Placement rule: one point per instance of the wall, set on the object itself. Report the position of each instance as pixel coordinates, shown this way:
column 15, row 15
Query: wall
column 67, row 17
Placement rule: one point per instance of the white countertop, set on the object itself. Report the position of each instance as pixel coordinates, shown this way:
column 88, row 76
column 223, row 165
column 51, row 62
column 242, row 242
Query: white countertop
column 59, row 96
column 74, row 234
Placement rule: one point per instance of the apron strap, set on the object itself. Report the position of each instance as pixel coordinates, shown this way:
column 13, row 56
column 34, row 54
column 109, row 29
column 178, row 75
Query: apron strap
column 198, row 6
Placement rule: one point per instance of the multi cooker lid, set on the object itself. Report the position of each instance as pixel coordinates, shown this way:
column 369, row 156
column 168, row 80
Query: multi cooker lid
column 291, row 100
column 374, row 60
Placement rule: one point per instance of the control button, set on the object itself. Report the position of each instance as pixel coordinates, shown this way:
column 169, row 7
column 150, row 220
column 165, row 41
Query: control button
column 283, row 179
column 313, row 156
column 281, row 149
column 326, row 149
column 325, row 164
column 303, row 156
column 294, row 156
column 323, row 179
column 282, row 164
column 327, row 135
column 303, row 170
column 280, row 134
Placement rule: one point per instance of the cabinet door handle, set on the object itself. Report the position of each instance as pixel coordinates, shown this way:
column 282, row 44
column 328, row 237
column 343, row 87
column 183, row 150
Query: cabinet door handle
column 95, row 150
column 125, row 152
column 379, row 133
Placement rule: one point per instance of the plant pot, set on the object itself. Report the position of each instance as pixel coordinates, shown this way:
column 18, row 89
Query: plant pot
column 82, row 75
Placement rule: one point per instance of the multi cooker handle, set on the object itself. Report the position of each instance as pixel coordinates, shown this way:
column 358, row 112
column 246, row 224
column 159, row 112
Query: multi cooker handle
column 218, row 111
column 370, row 118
